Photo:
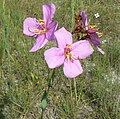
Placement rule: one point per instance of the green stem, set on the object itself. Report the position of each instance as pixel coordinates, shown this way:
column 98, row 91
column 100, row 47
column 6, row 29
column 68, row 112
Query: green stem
column 42, row 115
column 75, row 89
column 45, row 95
column 71, row 95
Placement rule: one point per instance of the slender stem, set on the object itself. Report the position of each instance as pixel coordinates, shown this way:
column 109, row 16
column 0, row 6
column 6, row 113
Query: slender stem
column 75, row 89
column 50, row 81
column 42, row 115
column 71, row 95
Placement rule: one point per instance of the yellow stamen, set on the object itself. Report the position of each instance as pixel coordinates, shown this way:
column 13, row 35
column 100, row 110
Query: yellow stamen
column 99, row 34
column 69, row 46
column 93, row 26
column 67, row 53
column 37, row 31
column 41, row 21
column 68, row 56
column 73, row 57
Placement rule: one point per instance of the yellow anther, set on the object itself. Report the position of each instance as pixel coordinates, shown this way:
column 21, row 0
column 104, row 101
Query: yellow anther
column 93, row 26
column 68, row 56
column 41, row 21
column 99, row 34
column 69, row 46
column 36, row 31
column 67, row 52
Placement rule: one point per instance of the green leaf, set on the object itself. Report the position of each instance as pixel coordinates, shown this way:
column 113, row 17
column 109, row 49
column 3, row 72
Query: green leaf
column 44, row 104
column 44, row 101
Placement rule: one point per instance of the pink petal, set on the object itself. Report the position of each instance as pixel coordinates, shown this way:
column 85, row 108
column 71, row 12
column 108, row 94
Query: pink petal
column 51, row 29
column 82, row 49
column 54, row 57
column 40, row 42
column 63, row 37
column 29, row 24
column 100, row 50
column 48, row 12
column 72, row 69
column 84, row 19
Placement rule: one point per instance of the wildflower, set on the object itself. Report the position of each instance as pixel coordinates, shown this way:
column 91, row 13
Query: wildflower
column 68, row 53
column 42, row 30
column 97, row 15
column 92, row 33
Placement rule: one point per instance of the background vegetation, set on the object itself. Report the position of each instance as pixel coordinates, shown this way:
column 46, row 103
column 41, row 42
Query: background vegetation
column 23, row 75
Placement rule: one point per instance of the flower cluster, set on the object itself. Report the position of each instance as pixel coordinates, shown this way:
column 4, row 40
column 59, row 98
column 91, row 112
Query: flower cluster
column 91, row 34
column 66, row 52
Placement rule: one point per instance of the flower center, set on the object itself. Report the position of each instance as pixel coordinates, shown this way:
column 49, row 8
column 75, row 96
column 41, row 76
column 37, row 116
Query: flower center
column 39, row 31
column 67, row 53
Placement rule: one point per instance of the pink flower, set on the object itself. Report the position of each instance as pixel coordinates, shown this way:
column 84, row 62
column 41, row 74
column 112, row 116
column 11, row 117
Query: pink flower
column 68, row 53
column 41, row 30
column 91, row 32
